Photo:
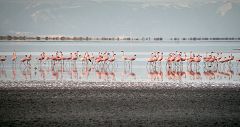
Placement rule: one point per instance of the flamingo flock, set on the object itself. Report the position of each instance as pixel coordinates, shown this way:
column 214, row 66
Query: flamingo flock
column 104, row 74
column 176, row 59
column 217, row 65
column 105, row 58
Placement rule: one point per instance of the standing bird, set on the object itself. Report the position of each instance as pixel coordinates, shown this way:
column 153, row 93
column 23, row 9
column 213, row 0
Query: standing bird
column 112, row 59
column 24, row 59
column 131, row 59
column 3, row 59
column 14, row 57
column 151, row 59
column 160, row 58
column 124, row 57
column 29, row 58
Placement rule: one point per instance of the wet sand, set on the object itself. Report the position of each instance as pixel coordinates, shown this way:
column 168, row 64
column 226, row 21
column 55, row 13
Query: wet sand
column 118, row 104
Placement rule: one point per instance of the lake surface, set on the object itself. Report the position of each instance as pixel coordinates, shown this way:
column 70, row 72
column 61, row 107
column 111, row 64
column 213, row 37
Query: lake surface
column 120, row 71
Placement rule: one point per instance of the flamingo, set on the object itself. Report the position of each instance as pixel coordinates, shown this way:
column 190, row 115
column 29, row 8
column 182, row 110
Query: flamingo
column 184, row 58
column 99, row 58
column 53, row 58
column 178, row 58
column 29, row 58
column 41, row 57
column 74, row 56
column 23, row 60
column 62, row 58
column 231, row 58
column 197, row 59
column 131, row 59
column 105, row 57
column 91, row 58
column 70, row 57
column 219, row 56
column 155, row 58
column 124, row 57
column 151, row 59
column 238, row 61
column 112, row 59
column 3, row 59
column 88, row 57
column 160, row 58
column 170, row 59
column 212, row 59
column 14, row 57
column 191, row 58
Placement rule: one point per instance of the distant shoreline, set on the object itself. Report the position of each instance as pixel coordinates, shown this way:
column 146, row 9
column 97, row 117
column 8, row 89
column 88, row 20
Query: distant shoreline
column 119, row 41
column 113, row 38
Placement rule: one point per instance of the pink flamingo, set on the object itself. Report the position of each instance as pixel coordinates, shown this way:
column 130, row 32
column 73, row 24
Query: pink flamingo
column 178, row 58
column 238, row 61
column 184, row 58
column 191, row 58
column 231, row 58
column 74, row 56
column 219, row 56
column 160, row 58
column 70, row 57
column 155, row 58
column 112, row 59
column 24, row 59
column 124, row 57
column 197, row 59
column 62, row 58
column 99, row 58
column 54, row 59
column 170, row 59
column 14, row 56
column 206, row 58
column 131, row 59
column 91, row 58
column 41, row 58
column 223, row 60
column 29, row 58
column 212, row 59
column 105, row 57
column 151, row 59
column 3, row 59
column 88, row 57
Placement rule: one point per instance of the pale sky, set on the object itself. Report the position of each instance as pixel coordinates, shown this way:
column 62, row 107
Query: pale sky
column 166, row 18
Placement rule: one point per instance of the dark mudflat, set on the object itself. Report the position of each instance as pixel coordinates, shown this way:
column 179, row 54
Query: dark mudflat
column 120, row 107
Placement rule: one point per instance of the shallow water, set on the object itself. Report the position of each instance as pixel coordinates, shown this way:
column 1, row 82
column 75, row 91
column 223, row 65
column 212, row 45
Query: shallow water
column 119, row 71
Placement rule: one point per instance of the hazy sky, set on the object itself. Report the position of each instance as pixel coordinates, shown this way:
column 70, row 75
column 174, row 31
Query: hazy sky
column 121, row 17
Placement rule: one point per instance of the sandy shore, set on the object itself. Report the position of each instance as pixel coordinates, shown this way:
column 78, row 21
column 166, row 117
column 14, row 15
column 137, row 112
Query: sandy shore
column 38, row 103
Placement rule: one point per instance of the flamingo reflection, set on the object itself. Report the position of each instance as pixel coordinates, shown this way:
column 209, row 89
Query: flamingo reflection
column 3, row 73
column 155, row 74
column 128, row 74
column 26, row 73
column 14, row 72
column 106, row 73
column 85, row 72
column 175, row 75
